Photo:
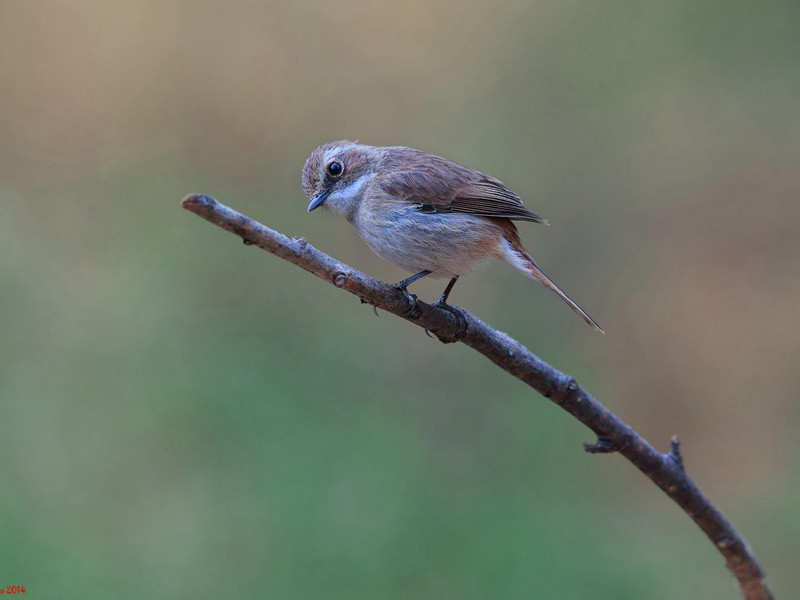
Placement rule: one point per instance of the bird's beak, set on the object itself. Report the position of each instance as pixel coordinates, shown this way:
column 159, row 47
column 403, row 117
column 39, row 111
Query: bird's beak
column 319, row 199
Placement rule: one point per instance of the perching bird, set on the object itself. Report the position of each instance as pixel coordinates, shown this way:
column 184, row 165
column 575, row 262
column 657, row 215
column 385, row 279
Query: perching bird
column 423, row 212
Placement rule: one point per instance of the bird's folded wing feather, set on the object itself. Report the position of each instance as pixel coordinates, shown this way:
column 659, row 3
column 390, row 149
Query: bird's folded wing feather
column 439, row 186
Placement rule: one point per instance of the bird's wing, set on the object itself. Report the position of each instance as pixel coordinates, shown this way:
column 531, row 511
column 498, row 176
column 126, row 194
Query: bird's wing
column 438, row 185
column 488, row 197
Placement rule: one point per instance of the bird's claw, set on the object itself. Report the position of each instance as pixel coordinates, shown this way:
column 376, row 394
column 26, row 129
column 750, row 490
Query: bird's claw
column 412, row 312
column 442, row 303
column 374, row 308
column 461, row 321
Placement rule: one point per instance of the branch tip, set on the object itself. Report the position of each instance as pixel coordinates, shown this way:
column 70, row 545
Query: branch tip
column 193, row 200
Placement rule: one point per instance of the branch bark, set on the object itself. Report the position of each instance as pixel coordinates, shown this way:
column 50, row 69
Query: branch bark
column 613, row 435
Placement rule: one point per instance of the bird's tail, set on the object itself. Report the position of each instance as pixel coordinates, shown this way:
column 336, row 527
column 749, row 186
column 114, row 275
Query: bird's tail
column 515, row 254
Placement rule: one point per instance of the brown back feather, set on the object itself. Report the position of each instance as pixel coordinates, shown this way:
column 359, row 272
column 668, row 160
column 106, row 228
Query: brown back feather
column 440, row 185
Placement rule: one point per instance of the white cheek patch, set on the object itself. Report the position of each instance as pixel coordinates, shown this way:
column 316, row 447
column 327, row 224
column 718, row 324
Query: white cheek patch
column 341, row 199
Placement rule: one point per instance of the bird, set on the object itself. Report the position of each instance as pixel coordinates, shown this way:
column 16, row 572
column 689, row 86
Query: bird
column 424, row 213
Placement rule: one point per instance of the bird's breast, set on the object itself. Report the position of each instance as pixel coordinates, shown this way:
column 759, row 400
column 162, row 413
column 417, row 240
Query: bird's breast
column 446, row 244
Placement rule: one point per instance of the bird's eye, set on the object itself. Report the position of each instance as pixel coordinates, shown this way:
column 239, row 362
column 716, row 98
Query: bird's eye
column 335, row 168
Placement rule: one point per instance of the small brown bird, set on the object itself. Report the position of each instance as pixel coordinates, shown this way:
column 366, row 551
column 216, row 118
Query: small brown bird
column 422, row 212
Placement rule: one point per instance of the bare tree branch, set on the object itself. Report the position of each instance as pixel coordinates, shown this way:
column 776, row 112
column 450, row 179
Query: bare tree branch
column 613, row 435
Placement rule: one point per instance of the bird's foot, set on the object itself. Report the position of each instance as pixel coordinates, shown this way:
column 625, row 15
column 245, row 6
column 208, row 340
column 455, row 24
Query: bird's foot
column 461, row 322
column 442, row 303
column 412, row 312
column 374, row 308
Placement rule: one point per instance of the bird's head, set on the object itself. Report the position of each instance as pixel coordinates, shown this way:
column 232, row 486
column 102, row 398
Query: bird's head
column 335, row 175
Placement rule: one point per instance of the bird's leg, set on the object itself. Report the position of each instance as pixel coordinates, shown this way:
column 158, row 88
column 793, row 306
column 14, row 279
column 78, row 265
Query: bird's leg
column 461, row 318
column 412, row 299
column 402, row 285
column 442, row 301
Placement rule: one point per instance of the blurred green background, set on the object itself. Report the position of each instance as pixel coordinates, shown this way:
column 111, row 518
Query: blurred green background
column 183, row 416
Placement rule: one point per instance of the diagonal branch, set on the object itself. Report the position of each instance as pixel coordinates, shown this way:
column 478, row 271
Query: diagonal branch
column 613, row 434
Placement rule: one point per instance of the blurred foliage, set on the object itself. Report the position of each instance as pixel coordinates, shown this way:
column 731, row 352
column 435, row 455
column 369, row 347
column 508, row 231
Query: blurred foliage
column 184, row 416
